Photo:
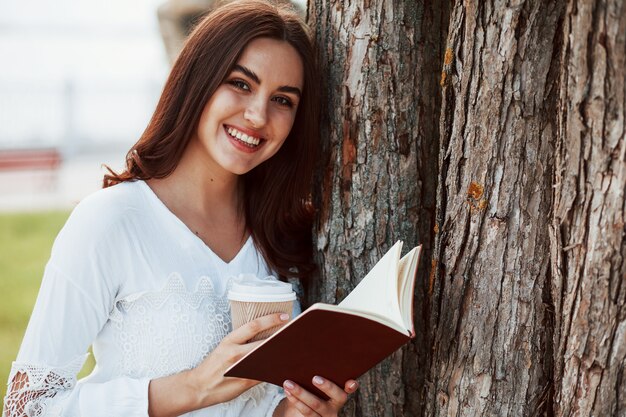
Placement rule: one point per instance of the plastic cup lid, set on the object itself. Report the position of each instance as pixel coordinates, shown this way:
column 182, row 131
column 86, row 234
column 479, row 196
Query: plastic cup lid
column 247, row 287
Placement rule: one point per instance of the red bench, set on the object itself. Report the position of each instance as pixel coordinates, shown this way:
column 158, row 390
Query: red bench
column 26, row 159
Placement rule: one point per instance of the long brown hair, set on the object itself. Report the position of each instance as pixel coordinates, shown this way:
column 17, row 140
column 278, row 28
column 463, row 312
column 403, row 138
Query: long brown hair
column 277, row 192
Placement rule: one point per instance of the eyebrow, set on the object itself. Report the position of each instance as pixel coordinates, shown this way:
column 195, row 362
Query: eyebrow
column 283, row 88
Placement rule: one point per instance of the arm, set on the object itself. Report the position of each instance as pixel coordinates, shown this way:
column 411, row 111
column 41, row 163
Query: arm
column 65, row 320
column 206, row 385
column 40, row 386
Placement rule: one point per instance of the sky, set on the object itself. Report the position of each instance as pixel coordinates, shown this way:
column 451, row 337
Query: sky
column 78, row 74
column 45, row 39
column 83, row 72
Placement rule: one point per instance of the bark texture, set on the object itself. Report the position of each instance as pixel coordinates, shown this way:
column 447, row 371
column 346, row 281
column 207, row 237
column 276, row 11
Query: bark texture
column 490, row 317
column 588, row 239
column 493, row 133
column 378, row 174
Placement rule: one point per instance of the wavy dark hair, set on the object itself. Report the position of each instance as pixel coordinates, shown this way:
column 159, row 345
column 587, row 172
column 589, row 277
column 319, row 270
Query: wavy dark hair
column 277, row 206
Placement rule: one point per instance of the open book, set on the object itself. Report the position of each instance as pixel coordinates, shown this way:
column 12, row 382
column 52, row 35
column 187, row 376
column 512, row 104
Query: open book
column 341, row 342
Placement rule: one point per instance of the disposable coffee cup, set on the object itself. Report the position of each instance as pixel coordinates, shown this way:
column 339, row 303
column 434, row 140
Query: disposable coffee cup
column 251, row 297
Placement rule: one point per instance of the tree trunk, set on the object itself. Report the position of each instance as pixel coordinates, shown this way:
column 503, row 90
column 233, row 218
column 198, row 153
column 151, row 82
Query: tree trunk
column 491, row 318
column 588, row 243
column 379, row 168
column 493, row 133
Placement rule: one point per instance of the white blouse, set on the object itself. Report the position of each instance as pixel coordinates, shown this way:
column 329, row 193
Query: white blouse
column 129, row 278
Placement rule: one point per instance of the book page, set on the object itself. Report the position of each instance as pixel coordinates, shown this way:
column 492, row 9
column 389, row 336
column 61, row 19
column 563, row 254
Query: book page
column 406, row 284
column 366, row 314
column 377, row 293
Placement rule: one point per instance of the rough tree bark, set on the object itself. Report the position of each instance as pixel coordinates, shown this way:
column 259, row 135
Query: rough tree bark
column 379, row 170
column 509, row 165
column 490, row 335
column 588, row 239
column 490, row 318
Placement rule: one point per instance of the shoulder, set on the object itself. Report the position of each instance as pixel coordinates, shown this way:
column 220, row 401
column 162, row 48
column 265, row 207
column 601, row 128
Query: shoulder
column 103, row 215
column 112, row 202
column 106, row 207
column 123, row 196
column 101, row 228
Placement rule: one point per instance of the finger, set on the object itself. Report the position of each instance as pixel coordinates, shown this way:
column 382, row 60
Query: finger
column 351, row 386
column 337, row 396
column 234, row 353
column 239, row 351
column 250, row 329
column 304, row 409
column 242, row 382
column 313, row 402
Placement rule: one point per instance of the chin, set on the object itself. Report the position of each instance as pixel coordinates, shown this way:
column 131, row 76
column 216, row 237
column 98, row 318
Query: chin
column 242, row 167
column 241, row 170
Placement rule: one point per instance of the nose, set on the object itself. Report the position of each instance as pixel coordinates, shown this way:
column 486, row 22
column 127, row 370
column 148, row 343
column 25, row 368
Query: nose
column 256, row 113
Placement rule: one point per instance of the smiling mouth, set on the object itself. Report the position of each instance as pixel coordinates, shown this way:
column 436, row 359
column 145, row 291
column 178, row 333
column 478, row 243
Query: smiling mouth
column 247, row 140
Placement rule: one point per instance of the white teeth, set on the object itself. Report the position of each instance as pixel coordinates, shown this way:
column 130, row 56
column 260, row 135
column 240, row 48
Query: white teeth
column 250, row 140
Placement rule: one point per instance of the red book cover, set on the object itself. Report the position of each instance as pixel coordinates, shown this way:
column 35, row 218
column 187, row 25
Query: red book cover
column 338, row 346
column 345, row 341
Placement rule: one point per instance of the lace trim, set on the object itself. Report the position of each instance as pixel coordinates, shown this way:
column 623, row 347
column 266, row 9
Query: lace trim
column 31, row 387
column 166, row 331
column 174, row 287
column 254, row 394
column 170, row 330
column 279, row 395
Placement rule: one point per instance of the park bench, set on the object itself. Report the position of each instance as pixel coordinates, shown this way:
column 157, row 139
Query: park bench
column 29, row 159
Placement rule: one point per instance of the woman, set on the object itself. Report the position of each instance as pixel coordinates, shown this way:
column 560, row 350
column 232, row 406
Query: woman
column 216, row 186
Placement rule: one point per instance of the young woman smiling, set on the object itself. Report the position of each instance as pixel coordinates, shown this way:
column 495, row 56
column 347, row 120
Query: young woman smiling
column 217, row 185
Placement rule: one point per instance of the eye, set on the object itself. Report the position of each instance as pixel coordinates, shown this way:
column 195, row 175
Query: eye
column 239, row 84
column 283, row 101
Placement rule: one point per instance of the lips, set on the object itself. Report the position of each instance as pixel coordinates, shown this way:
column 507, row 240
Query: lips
column 242, row 138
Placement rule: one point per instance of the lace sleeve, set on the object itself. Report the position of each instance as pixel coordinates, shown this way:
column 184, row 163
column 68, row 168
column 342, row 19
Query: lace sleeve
column 278, row 397
column 42, row 381
column 53, row 392
column 32, row 388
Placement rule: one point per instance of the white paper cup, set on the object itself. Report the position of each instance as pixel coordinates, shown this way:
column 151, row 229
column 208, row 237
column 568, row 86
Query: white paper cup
column 251, row 297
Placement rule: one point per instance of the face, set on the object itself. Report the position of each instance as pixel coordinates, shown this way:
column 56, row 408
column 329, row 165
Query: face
column 250, row 115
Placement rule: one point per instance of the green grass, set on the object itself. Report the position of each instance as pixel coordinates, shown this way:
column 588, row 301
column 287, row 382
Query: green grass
column 25, row 243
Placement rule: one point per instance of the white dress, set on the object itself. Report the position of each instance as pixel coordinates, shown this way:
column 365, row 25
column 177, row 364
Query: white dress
column 128, row 277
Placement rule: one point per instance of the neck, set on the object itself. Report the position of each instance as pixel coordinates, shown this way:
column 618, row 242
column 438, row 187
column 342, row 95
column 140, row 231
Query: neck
column 200, row 187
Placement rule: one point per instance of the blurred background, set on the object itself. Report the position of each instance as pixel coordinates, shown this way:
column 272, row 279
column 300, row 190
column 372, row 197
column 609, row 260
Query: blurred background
column 78, row 83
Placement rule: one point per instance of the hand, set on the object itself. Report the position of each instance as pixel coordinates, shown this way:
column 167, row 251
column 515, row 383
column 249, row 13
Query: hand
column 303, row 403
column 208, row 377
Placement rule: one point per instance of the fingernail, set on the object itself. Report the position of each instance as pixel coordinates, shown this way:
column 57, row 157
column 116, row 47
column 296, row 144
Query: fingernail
column 352, row 385
column 289, row 384
column 284, row 317
column 318, row 380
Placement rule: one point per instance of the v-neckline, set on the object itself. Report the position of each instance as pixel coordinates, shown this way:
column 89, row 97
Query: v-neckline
column 190, row 232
